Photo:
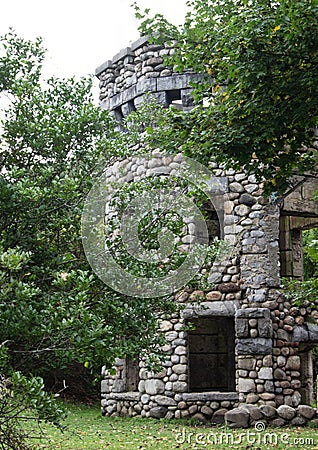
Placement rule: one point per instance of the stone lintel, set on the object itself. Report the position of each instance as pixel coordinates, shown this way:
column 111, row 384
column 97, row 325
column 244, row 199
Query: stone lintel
column 174, row 82
column 254, row 346
column 156, row 87
column 115, row 101
column 125, row 396
column 146, row 85
column 139, row 43
column 100, row 69
column 253, row 313
column 306, row 333
column 105, row 104
column 204, row 309
column 122, row 54
column 302, row 223
column 301, row 202
column 212, row 396
column 129, row 94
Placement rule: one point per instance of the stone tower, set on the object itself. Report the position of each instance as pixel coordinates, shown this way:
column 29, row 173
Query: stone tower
column 248, row 357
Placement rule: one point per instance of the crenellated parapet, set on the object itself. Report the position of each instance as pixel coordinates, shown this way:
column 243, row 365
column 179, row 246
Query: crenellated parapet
column 140, row 69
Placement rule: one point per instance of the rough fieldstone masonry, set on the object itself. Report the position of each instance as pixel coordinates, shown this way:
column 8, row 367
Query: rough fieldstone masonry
column 248, row 357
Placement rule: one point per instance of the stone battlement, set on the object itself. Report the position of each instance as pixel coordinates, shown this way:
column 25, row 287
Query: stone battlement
column 140, row 69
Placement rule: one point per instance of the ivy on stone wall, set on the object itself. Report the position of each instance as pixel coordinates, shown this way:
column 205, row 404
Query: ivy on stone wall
column 257, row 101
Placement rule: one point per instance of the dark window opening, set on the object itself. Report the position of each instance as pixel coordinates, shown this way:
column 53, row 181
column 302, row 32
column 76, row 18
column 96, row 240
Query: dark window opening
column 211, row 355
column 127, row 108
column 131, row 106
column 293, row 232
column 308, row 373
column 174, row 97
column 212, row 221
column 118, row 114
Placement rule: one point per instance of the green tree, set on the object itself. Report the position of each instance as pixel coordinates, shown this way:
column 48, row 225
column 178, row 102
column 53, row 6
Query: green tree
column 310, row 246
column 257, row 99
column 53, row 309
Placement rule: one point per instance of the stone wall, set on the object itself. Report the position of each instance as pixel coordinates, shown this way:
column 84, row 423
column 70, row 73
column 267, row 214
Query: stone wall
column 273, row 338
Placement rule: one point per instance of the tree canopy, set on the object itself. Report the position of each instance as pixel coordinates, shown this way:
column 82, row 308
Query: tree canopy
column 257, row 99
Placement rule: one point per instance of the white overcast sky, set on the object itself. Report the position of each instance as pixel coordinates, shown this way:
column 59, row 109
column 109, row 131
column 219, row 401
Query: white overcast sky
column 81, row 35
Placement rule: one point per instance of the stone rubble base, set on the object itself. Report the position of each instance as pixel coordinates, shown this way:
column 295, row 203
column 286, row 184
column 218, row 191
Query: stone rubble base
column 212, row 412
column 248, row 415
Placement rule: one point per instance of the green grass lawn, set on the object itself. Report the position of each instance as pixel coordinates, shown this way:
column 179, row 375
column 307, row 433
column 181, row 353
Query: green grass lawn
column 87, row 429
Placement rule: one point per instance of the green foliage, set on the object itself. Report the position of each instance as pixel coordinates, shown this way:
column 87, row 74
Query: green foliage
column 149, row 228
column 305, row 293
column 257, row 99
column 155, row 224
column 25, row 57
column 53, row 310
column 215, row 251
column 76, row 319
column 23, row 399
column 302, row 293
column 30, row 392
column 55, row 142
column 310, row 248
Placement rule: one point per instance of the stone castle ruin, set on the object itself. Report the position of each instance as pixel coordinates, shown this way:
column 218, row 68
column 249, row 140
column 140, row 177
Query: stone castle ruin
column 248, row 356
